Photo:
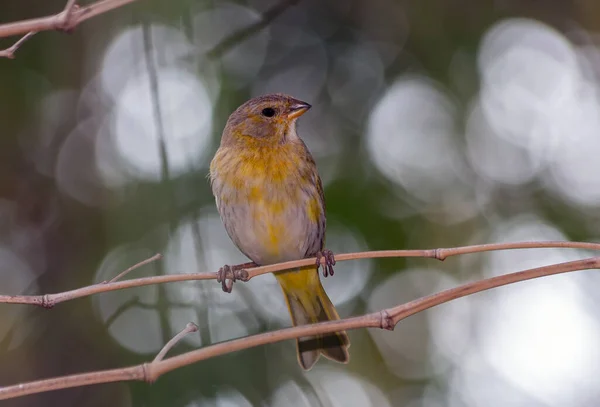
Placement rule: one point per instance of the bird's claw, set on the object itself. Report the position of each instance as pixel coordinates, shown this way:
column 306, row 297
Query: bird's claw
column 226, row 277
column 329, row 262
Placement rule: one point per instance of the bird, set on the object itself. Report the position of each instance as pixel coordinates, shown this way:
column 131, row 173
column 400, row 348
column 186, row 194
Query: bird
column 270, row 198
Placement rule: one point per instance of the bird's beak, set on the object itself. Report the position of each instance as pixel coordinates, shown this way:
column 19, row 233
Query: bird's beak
column 297, row 109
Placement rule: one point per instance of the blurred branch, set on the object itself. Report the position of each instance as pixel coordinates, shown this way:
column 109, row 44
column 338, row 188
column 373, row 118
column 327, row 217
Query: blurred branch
column 10, row 51
column 68, row 11
column 238, row 36
column 71, row 16
column 384, row 319
column 243, row 274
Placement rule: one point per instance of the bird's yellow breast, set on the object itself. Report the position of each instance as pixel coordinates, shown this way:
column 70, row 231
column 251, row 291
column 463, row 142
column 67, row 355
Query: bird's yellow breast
column 267, row 201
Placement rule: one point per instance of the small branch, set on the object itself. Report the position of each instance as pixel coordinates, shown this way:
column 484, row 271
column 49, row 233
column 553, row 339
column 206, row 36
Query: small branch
column 10, row 51
column 49, row 300
column 157, row 256
column 66, row 23
column 400, row 312
column 189, row 328
column 68, row 19
column 71, row 4
column 238, row 36
column 384, row 319
column 73, row 15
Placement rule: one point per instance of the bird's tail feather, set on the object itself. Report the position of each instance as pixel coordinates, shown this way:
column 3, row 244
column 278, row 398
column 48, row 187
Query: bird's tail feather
column 308, row 303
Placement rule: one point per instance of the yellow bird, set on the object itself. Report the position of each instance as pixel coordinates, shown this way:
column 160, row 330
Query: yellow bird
column 270, row 198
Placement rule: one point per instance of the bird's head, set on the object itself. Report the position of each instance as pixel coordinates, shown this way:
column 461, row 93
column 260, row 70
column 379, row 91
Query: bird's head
column 269, row 119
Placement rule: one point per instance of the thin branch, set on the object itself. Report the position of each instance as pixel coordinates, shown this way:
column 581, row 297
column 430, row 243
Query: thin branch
column 384, row 319
column 238, row 36
column 50, row 300
column 66, row 20
column 189, row 328
column 68, row 11
column 10, row 51
column 72, row 16
column 157, row 256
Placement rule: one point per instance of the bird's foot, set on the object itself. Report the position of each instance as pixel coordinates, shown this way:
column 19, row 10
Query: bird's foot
column 227, row 275
column 329, row 262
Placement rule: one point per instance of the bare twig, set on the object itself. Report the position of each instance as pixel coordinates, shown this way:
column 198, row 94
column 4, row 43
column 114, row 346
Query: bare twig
column 384, row 319
column 68, row 19
column 67, row 14
column 157, row 256
column 73, row 15
column 238, row 36
column 71, row 4
column 49, row 300
column 189, row 328
column 10, row 51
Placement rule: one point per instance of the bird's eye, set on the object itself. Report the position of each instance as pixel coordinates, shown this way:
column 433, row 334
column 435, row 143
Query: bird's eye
column 268, row 112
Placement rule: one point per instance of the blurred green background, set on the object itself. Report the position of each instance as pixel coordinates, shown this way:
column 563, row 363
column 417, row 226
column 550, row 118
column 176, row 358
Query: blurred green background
column 435, row 123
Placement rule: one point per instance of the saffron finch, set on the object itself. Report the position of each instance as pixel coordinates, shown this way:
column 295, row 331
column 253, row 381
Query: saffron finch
column 270, row 199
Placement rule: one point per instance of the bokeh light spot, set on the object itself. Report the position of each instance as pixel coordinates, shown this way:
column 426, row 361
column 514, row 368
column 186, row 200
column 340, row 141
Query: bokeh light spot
column 186, row 112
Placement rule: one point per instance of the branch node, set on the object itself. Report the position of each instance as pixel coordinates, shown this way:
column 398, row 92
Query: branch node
column 148, row 377
column 439, row 254
column 67, row 21
column 47, row 302
column 387, row 322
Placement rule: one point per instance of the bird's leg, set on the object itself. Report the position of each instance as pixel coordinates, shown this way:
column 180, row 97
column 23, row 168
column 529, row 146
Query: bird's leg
column 329, row 261
column 228, row 274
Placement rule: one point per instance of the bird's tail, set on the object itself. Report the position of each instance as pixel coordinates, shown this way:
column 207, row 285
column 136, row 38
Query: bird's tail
column 308, row 303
